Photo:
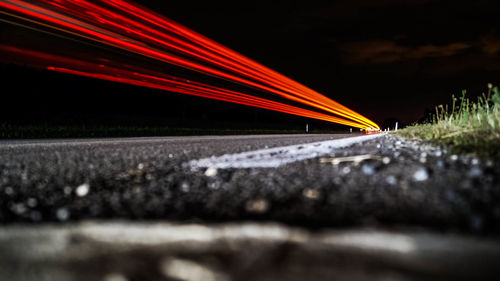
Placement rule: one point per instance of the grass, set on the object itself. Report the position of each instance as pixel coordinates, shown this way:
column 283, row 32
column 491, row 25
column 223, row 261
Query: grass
column 467, row 126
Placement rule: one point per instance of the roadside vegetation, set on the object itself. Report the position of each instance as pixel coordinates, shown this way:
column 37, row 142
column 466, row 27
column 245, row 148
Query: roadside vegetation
column 466, row 125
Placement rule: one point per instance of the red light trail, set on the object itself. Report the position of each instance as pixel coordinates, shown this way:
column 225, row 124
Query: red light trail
column 126, row 26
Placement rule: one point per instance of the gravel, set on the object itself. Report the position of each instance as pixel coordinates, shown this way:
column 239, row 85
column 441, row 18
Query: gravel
column 409, row 184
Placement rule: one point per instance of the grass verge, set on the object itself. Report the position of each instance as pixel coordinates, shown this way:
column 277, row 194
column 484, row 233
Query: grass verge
column 466, row 126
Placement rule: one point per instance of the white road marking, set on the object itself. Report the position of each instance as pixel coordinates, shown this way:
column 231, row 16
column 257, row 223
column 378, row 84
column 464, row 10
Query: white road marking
column 276, row 156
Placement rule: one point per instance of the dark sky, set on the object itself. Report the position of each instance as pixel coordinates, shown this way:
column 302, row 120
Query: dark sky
column 387, row 58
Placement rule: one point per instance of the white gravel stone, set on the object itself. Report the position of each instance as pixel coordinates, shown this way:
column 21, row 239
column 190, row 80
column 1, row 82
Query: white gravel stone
column 62, row 214
column 421, row 175
column 391, row 180
column 185, row 187
column 368, row 169
column 211, row 172
column 82, row 190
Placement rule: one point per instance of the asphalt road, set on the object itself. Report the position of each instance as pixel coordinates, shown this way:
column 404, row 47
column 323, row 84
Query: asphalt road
column 398, row 183
column 374, row 187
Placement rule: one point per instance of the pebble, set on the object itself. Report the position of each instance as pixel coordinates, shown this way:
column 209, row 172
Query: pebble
column 32, row 202
column 440, row 163
column 211, row 172
column 475, row 161
column 421, row 175
column 140, row 166
column 475, row 172
column 257, row 206
column 346, row 170
column 62, row 214
column 82, row 190
column 185, row 187
column 438, row 153
column 67, row 190
column 311, row 193
column 9, row 190
column 454, row 157
column 386, row 160
column 19, row 208
column 368, row 169
column 391, row 180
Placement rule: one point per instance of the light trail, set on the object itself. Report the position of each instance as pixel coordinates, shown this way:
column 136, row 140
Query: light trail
column 135, row 29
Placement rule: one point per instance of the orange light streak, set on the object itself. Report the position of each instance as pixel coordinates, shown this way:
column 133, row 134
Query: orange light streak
column 135, row 29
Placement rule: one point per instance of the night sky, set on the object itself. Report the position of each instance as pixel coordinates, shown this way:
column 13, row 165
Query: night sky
column 383, row 59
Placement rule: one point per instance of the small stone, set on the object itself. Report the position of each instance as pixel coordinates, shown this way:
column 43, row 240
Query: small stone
column 19, row 208
column 440, row 163
column 346, row 170
column 454, row 157
column 378, row 145
column 257, row 206
column 391, row 180
column 211, row 172
column 475, row 172
column 475, row 161
column 214, row 185
column 140, row 166
column 398, row 143
column 438, row 153
column 185, row 187
column 62, row 214
column 32, row 202
column 311, row 193
column 368, row 169
column 9, row 190
column 421, row 175
column 386, row 160
column 170, row 156
column 67, row 190
column 422, row 160
column 82, row 190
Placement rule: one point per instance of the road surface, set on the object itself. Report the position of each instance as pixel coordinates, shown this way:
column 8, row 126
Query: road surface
column 379, row 203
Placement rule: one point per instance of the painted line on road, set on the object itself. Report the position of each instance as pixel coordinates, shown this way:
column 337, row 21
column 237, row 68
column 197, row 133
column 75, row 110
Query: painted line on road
column 276, row 156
